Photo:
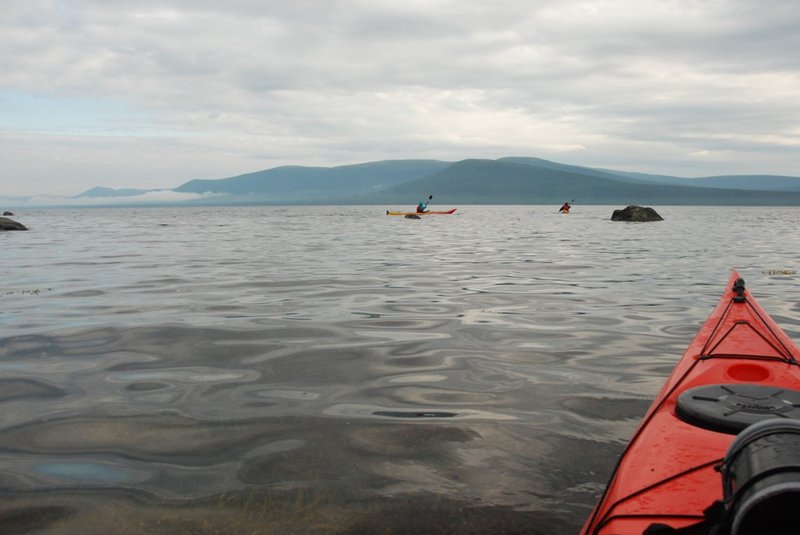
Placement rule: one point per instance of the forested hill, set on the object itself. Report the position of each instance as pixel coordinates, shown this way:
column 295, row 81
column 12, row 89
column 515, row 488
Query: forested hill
column 508, row 182
column 315, row 183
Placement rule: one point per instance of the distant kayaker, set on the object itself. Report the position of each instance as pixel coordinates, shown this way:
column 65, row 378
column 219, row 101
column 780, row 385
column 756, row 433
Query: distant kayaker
column 422, row 206
column 565, row 208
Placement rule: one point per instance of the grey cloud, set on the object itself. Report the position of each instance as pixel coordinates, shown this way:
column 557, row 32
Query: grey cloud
column 343, row 81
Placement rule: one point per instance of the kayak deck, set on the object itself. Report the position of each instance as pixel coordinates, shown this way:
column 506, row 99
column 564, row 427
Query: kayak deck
column 666, row 473
column 430, row 212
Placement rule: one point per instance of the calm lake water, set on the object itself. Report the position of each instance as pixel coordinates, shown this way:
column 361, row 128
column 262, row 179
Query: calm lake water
column 334, row 370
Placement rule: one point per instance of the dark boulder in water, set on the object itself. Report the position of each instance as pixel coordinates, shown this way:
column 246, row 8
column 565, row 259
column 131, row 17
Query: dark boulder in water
column 636, row 213
column 8, row 213
column 10, row 224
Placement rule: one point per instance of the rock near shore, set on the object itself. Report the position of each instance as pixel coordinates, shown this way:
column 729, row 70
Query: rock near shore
column 10, row 224
column 636, row 213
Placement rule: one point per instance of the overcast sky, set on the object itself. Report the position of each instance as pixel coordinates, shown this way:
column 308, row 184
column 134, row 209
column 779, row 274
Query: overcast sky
column 153, row 93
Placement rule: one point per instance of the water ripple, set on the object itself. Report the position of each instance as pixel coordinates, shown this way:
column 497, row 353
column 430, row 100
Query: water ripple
column 335, row 368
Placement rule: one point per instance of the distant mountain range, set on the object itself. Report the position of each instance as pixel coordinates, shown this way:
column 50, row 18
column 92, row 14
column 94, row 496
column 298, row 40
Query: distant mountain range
column 513, row 180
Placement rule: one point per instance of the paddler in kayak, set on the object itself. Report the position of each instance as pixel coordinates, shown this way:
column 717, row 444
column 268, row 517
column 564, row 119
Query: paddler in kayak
column 565, row 208
column 422, row 206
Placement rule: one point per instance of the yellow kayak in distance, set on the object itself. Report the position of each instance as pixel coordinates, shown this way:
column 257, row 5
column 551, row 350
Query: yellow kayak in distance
column 430, row 212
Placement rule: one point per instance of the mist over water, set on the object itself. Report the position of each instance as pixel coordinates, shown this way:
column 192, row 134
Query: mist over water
column 336, row 370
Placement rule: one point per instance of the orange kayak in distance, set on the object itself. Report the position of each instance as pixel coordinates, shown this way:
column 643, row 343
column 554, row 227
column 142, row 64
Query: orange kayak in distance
column 718, row 451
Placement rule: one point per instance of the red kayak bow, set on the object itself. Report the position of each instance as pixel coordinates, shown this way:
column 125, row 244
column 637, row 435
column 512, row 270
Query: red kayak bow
column 740, row 370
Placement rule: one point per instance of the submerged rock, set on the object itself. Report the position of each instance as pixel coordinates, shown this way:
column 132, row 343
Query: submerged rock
column 10, row 224
column 636, row 213
column 412, row 216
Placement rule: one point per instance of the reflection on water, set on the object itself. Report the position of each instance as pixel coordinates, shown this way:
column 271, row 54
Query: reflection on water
column 327, row 370
column 84, row 471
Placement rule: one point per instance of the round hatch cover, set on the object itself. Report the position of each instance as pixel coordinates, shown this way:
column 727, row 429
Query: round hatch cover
column 729, row 408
